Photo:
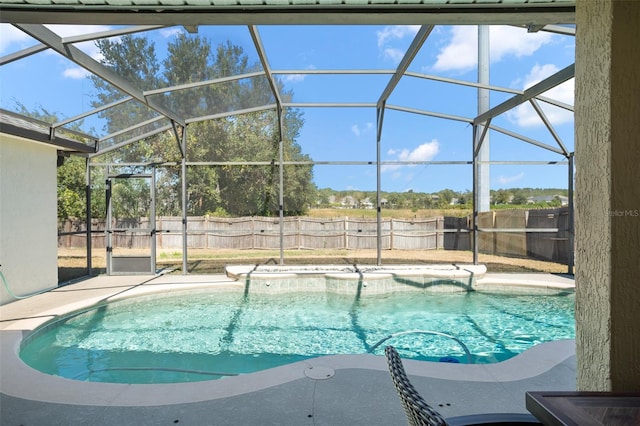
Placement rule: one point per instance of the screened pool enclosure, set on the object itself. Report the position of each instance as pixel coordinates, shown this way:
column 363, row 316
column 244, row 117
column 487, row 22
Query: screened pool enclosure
column 208, row 137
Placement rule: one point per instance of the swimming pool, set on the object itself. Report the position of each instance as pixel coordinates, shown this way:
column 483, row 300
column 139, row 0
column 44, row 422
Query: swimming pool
column 204, row 335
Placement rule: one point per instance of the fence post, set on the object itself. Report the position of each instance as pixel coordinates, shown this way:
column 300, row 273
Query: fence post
column 206, row 232
column 67, row 227
column 346, row 232
column 253, row 233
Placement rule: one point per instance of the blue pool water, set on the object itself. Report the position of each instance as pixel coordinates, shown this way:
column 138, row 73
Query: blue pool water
column 195, row 336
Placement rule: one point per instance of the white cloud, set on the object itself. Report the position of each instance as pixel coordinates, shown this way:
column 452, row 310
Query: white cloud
column 293, row 78
column 524, row 115
column 71, row 71
column 358, row 130
column 509, row 179
column 88, row 47
column 14, row 39
column 516, row 41
column 425, row 152
column 390, row 167
column 77, row 30
column 396, row 175
column 395, row 55
column 171, row 31
column 461, row 53
column 76, row 73
column 391, row 34
column 396, row 32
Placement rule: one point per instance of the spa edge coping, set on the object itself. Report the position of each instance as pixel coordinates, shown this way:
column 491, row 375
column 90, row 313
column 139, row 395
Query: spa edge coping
column 434, row 278
column 355, row 271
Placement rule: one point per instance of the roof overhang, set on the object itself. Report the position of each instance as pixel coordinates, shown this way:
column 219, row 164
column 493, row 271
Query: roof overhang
column 16, row 125
column 289, row 12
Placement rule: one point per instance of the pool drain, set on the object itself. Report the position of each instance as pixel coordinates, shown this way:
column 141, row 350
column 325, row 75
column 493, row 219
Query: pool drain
column 319, row 373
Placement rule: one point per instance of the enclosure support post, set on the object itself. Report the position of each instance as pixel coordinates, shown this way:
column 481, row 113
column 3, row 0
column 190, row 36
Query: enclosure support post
column 570, row 219
column 474, row 217
column 108, row 225
column 281, row 201
column 88, row 215
column 379, row 119
column 281, row 184
column 153, row 220
column 183, row 172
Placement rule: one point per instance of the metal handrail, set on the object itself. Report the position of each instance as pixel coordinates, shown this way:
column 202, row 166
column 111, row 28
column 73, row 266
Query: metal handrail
column 434, row 333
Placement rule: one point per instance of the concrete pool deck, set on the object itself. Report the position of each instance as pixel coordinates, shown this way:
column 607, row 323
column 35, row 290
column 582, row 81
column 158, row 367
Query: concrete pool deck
column 332, row 390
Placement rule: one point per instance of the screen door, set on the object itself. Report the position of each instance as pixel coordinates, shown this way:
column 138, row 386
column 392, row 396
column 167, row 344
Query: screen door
column 131, row 223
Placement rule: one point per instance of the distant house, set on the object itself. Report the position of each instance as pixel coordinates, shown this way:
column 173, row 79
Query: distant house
column 564, row 200
column 366, row 204
column 348, row 202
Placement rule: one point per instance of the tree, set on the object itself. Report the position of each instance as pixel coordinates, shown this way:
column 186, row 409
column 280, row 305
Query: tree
column 556, row 201
column 501, row 196
column 465, row 198
column 323, row 197
column 238, row 189
column 71, row 181
column 71, row 188
column 519, row 199
column 133, row 59
column 446, row 195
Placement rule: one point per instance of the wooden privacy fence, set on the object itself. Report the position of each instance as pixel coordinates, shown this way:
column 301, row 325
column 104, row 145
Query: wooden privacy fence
column 516, row 233
column 519, row 234
column 300, row 233
column 264, row 233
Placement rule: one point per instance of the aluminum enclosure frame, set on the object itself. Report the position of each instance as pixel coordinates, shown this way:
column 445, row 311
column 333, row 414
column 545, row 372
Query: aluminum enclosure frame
column 531, row 15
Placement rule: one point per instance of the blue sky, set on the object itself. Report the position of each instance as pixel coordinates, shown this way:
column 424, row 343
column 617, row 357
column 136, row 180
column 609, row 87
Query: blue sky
column 518, row 60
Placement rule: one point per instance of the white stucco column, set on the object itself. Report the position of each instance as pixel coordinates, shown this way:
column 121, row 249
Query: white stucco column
column 607, row 120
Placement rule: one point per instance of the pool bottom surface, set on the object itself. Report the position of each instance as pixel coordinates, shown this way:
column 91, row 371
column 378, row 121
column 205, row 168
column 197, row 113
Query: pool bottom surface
column 207, row 335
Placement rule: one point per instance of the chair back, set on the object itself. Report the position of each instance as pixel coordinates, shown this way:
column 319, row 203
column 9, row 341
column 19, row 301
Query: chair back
column 418, row 412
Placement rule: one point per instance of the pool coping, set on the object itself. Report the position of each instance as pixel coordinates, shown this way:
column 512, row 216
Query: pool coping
column 17, row 319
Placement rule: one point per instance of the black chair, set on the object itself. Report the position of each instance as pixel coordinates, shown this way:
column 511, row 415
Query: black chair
column 419, row 413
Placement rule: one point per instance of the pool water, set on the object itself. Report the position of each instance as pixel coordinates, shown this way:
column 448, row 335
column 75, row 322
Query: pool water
column 208, row 335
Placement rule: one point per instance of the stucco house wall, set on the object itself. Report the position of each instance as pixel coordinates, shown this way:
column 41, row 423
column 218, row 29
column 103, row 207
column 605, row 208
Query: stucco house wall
column 607, row 139
column 28, row 215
